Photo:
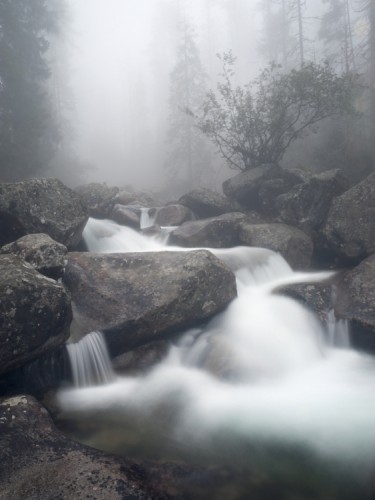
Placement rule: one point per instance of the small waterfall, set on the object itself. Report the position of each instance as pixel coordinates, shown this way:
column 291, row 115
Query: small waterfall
column 106, row 236
column 146, row 219
column 89, row 361
column 338, row 331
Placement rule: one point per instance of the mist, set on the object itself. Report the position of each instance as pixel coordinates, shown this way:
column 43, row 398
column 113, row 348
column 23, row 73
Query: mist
column 122, row 57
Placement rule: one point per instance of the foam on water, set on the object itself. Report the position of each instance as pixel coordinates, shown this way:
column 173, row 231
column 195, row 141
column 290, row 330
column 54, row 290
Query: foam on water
column 264, row 369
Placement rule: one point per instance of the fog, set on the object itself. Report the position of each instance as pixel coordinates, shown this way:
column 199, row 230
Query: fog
column 120, row 56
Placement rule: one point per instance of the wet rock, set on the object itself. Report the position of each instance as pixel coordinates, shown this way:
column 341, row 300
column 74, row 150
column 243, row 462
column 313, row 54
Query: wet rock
column 99, row 198
column 173, row 215
column 125, row 216
column 306, row 205
column 38, row 461
column 41, row 206
column 349, row 230
column 244, row 188
column 293, row 244
column 355, row 302
column 47, row 372
column 139, row 297
column 35, row 313
column 268, row 192
column 138, row 198
column 215, row 232
column 45, row 255
column 141, row 359
column 206, row 203
column 153, row 231
column 125, row 197
column 318, row 297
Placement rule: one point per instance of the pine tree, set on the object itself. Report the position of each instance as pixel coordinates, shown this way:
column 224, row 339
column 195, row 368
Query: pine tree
column 337, row 33
column 283, row 41
column 188, row 157
column 28, row 132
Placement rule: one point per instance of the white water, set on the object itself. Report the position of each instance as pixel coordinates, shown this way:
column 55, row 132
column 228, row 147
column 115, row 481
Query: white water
column 263, row 369
column 89, row 361
column 146, row 219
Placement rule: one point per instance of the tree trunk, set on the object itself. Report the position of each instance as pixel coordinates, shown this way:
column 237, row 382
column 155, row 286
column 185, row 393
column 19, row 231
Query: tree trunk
column 372, row 74
column 300, row 32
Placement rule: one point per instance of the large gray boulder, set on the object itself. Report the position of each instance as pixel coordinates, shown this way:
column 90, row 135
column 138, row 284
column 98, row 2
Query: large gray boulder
column 355, row 302
column 45, row 255
column 349, row 230
column 138, row 297
column 125, row 216
column 206, row 203
column 256, row 189
column 215, row 232
column 293, row 244
column 35, row 313
column 41, row 206
column 173, row 215
column 39, row 462
column 306, row 205
column 137, row 198
column 99, row 198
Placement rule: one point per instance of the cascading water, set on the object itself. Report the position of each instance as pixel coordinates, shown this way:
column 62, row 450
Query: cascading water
column 146, row 219
column 264, row 371
column 89, row 361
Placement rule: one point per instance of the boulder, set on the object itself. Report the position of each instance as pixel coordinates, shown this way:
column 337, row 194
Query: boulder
column 35, row 313
column 38, row 461
column 306, row 205
column 125, row 197
column 45, row 255
column 125, row 216
column 142, row 359
column 41, row 206
column 355, row 302
column 139, row 297
column 318, row 297
column 173, row 215
column 268, row 193
column 206, row 203
column 293, row 244
column 215, row 232
column 139, row 198
column 99, row 198
column 349, row 230
column 244, row 188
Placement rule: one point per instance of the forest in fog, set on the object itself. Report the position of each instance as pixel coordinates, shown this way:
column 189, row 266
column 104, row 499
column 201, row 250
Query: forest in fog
column 169, row 95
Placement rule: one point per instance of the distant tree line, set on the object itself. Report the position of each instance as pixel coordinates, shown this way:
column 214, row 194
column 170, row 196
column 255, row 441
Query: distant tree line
column 29, row 129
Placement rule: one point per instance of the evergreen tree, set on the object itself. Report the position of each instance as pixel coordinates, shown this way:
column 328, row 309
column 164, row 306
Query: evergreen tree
column 337, row 33
column 284, row 37
column 277, row 44
column 188, row 157
column 28, row 133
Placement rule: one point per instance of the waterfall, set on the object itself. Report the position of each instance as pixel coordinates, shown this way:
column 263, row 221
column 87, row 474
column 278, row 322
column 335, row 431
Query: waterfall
column 264, row 370
column 146, row 219
column 105, row 236
column 89, row 361
column 338, row 331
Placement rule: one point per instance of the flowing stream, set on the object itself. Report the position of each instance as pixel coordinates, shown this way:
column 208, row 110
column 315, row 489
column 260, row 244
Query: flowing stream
column 263, row 374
